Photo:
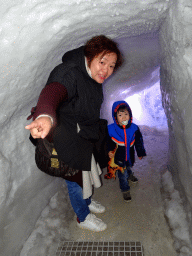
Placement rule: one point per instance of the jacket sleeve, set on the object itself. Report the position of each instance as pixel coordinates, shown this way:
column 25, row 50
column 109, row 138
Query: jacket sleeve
column 139, row 145
column 110, row 144
column 100, row 146
column 50, row 98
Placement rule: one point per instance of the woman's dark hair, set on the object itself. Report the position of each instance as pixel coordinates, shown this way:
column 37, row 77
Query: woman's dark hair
column 102, row 44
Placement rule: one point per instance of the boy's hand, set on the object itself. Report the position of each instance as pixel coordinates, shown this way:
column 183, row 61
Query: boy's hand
column 140, row 157
column 111, row 154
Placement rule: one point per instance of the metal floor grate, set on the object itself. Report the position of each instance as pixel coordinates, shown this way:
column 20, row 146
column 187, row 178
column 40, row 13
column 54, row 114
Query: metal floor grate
column 82, row 248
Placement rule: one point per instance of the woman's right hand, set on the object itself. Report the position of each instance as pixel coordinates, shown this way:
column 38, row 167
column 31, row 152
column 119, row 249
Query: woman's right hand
column 40, row 127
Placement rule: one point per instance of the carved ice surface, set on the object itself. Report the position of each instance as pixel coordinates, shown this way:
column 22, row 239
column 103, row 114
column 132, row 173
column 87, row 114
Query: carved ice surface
column 33, row 37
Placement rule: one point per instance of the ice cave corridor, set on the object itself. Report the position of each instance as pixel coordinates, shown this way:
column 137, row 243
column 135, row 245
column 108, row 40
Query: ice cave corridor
column 156, row 80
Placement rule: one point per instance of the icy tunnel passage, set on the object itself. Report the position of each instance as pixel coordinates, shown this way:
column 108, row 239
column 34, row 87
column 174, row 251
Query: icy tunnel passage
column 33, row 37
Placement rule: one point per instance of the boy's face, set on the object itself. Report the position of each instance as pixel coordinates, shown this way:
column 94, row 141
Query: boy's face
column 123, row 115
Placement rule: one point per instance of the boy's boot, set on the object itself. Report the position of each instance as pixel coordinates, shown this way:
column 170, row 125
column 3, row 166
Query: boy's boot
column 127, row 196
column 132, row 178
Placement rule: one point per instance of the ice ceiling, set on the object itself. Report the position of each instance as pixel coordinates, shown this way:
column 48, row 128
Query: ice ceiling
column 33, row 37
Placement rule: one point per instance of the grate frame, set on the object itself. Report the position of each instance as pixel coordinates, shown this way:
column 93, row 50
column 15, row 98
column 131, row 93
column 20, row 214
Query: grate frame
column 98, row 248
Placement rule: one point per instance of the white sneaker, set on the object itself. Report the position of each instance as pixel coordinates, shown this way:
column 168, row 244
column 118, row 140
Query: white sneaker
column 96, row 207
column 92, row 223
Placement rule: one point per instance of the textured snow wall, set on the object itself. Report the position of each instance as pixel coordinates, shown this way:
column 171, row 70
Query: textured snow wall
column 33, row 37
column 176, row 87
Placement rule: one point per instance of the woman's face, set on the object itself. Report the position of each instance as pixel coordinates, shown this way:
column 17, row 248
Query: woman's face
column 102, row 67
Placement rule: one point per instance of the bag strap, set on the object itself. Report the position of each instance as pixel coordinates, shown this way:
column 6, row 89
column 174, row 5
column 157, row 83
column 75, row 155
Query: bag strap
column 49, row 146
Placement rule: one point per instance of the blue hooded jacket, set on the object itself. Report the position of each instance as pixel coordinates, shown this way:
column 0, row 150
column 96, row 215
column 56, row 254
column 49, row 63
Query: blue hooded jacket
column 125, row 137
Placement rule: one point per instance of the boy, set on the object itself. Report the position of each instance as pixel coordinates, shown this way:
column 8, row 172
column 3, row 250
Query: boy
column 123, row 137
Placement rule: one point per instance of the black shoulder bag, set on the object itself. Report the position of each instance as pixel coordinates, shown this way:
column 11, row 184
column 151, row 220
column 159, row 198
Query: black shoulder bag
column 47, row 161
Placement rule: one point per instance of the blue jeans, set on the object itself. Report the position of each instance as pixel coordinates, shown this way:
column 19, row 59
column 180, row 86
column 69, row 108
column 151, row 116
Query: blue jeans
column 80, row 205
column 123, row 179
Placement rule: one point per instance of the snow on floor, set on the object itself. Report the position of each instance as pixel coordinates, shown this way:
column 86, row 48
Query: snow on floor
column 176, row 216
column 51, row 227
column 140, row 220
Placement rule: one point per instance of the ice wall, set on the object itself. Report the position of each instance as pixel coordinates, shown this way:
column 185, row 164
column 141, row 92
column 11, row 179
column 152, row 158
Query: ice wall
column 137, row 82
column 176, row 87
column 33, row 37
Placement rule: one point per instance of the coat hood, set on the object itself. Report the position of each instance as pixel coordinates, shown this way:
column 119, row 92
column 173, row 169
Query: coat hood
column 75, row 58
column 116, row 106
column 71, row 59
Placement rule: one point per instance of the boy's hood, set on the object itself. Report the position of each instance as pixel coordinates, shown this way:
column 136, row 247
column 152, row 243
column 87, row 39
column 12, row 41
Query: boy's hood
column 115, row 108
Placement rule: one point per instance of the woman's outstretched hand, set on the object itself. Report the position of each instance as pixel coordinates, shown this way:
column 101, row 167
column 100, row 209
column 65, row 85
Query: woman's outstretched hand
column 40, row 127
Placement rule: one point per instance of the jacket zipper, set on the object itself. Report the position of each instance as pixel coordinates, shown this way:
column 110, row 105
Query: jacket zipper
column 124, row 126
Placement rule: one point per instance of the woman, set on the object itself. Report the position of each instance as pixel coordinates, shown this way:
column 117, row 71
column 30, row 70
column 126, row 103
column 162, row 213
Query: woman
column 68, row 112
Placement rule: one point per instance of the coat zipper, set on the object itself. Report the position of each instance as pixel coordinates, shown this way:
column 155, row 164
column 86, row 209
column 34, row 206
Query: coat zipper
column 124, row 128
